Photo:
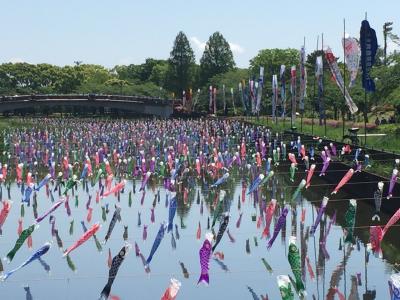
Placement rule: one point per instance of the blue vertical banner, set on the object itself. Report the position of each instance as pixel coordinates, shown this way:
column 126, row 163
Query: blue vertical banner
column 190, row 101
column 274, row 94
column 260, row 88
column 369, row 46
column 233, row 102
column 255, row 95
column 215, row 100
column 196, row 98
column 252, row 96
column 210, row 104
column 303, row 79
column 283, row 89
column 184, row 99
column 242, row 98
column 247, row 99
column 224, row 100
column 293, row 91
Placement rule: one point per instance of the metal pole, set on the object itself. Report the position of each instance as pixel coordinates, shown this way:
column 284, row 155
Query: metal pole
column 365, row 118
column 284, row 118
column 323, row 84
column 302, row 91
column 313, row 102
column 365, row 269
column 344, row 267
column 315, row 254
column 323, row 274
column 365, row 105
column 291, row 100
column 344, row 76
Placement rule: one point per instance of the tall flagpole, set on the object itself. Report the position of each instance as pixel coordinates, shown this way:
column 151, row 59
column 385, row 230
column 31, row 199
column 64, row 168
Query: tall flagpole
column 224, row 100
column 215, row 101
column 344, row 75
column 313, row 102
column 365, row 104
column 233, row 102
column 323, row 83
column 302, row 83
column 291, row 99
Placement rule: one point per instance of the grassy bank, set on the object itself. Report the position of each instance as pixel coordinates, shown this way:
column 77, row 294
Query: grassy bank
column 334, row 130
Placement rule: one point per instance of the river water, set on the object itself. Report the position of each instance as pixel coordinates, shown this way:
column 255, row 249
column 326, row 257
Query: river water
column 244, row 275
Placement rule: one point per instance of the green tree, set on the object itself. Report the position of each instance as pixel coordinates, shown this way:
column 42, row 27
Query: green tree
column 159, row 73
column 272, row 59
column 91, row 77
column 217, row 58
column 230, row 79
column 47, row 76
column 388, row 81
column 148, row 67
column 151, row 70
column 181, row 63
column 69, row 79
column 131, row 73
column 116, row 84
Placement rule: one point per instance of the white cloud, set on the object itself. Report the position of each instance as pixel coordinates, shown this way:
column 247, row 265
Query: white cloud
column 200, row 46
column 236, row 48
column 392, row 46
column 16, row 60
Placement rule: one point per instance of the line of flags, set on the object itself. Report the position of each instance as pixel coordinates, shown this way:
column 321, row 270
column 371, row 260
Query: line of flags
column 357, row 52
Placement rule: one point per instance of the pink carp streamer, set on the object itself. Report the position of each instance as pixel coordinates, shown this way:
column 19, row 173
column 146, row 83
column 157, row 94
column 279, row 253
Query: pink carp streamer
column 87, row 235
column 172, row 291
column 309, row 175
column 344, row 180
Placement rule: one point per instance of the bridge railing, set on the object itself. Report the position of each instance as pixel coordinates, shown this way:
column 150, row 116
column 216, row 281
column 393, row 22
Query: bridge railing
column 89, row 97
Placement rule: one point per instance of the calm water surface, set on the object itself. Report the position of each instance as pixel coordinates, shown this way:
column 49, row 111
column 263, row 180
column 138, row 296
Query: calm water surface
column 243, row 275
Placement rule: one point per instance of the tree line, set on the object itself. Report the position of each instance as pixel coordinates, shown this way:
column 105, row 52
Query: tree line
column 180, row 72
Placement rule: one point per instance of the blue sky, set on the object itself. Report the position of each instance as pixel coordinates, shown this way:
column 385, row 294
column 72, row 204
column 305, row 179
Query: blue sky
column 122, row 32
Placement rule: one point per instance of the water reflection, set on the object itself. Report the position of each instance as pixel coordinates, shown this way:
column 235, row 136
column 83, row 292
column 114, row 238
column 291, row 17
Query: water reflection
column 246, row 270
column 27, row 290
column 45, row 266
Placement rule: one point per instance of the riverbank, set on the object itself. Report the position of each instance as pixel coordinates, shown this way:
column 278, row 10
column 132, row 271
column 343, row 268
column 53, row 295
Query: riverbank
column 389, row 141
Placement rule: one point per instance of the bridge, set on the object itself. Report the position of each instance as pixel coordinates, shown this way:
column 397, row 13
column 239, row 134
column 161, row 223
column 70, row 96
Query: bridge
column 134, row 104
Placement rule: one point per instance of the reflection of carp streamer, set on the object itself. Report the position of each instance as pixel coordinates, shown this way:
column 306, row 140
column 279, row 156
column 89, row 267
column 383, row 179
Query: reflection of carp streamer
column 285, row 287
column 172, row 291
column 349, row 220
column 354, row 290
column 337, row 275
column 321, row 255
column 394, row 287
column 303, row 250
